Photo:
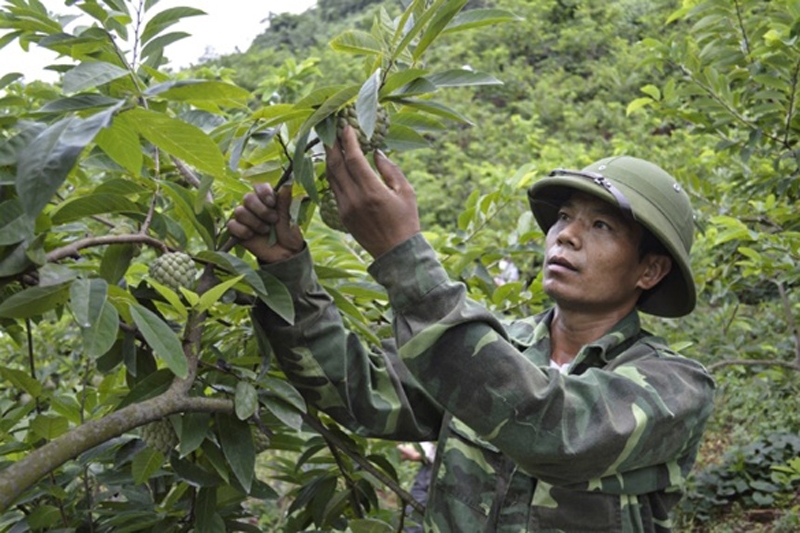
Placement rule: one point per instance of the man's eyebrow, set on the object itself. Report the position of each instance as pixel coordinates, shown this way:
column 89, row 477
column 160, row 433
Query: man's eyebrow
column 603, row 208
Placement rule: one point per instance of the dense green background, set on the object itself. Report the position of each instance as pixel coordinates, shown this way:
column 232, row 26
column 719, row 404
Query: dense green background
column 122, row 161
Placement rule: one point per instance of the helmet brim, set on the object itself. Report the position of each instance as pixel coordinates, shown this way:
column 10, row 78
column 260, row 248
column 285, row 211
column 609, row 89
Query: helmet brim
column 675, row 295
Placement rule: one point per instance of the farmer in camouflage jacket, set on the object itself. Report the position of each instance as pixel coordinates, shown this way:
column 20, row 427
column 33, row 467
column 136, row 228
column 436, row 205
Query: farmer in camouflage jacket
column 573, row 420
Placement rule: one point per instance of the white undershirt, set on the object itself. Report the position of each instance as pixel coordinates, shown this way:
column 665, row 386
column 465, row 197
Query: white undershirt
column 561, row 368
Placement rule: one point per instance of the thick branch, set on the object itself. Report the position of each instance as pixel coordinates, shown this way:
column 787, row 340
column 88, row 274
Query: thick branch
column 23, row 474
column 73, row 248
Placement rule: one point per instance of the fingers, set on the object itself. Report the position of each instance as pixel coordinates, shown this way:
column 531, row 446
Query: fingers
column 282, row 204
column 347, row 168
column 390, row 172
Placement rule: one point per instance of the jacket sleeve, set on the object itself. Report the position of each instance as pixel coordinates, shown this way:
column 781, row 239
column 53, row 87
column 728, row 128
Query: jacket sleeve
column 563, row 429
column 368, row 391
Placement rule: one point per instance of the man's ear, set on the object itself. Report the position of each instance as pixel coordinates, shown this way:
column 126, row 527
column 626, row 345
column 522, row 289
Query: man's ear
column 657, row 266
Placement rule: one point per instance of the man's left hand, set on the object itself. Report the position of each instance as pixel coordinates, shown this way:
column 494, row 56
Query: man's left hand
column 379, row 210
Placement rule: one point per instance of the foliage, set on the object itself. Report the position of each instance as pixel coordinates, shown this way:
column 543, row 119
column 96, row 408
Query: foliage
column 758, row 475
column 120, row 164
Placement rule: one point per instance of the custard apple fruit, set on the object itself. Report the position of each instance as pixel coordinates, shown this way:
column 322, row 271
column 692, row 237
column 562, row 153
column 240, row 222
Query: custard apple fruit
column 175, row 270
column 260, row 440
column 160, row 436
column 329, row 211
column 347, row 115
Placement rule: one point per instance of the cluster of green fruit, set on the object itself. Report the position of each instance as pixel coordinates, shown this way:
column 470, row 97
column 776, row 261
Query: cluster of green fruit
column 175, row 270
column 328, row 208
column 160, row 436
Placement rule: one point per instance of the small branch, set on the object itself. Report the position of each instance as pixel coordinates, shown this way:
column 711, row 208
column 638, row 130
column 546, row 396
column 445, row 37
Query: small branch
column 189, row 176
column 73, row 248
column 792, row 100
column 742, row 29
column 149, row 218
column 351, row 486
column 320, row 428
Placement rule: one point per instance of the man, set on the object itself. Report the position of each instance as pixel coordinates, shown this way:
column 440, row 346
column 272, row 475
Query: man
column 574, row 420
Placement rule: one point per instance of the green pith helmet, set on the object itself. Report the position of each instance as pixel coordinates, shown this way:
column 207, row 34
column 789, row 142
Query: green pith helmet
column 653, row 198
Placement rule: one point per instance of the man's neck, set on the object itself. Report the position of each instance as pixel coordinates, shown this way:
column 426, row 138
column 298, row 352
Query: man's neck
column 570, row 331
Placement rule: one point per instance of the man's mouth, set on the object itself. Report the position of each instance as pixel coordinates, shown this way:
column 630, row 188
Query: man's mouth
column 559, row 261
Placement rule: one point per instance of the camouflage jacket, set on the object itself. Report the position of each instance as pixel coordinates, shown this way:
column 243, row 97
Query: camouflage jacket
column 521, row 446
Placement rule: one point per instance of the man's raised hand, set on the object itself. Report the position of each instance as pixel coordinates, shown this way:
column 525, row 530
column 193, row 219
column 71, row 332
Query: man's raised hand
column 260, row 212
column 379, row 211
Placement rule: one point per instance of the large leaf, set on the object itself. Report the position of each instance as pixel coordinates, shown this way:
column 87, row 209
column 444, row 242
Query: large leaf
column 268, row 288
column 356, row 42
column 145, row 464
column 96, row 316
column 181, row 139
column 90, row 74
column 93, row 204
column 437, row 24
column 475, row 18
column 236, row 438
column 245, row 400
column 194, row 428
column 159, row 43
column 194, row 91
column 14, row 226
column 164, row 342
column 79, row 102
column 120, row 142
column 45, row 163
column 167, row 18
column 367, row 103
column 461, row 77
column 34, row 301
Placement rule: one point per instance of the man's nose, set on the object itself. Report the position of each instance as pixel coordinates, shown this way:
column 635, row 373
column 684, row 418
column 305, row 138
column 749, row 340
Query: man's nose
column 569, row 233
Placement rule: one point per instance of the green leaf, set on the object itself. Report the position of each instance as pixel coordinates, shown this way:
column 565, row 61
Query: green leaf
column 237, row 445
column 476, row 18
column 356, row 42
column 637, row 104
column 212, row 296
column 121, row 143
column 418, row 25
column 194, row 91
column 34, row 301
column 159, row 43
column 90, row 74
column 404, row 138
column 437, row 25
column 79, row 102
column 367, row 103
column 14, row 225
column 288, row 415
column 194, row 428
column 45, row 163
column 83, row 206
column 207, row 520
column 277, row 297
column 145, row 464
column 181, row 139
column 9, row 78
column 21, row 381
column 285, row 391
column 245, row 400
column 330, row 105
column 164, row 342
column 97, row 318
column 461, row 78
column 396, row 80
column 369, row 525
column 115, row 262
column 165, row 19
column 434, row 108
column 49, row 426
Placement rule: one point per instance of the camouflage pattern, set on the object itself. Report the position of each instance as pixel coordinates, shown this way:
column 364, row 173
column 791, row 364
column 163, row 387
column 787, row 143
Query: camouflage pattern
column 521, row 447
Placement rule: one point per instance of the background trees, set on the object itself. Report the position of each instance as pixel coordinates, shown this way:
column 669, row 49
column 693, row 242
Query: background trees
column 121, row 162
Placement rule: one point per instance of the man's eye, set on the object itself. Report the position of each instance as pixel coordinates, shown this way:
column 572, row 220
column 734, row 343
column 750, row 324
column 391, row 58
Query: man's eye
column 562, row 215
column 602, row 225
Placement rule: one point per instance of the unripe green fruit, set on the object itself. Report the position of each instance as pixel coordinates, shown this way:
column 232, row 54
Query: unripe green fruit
column 160, row 436
column 260, row 441
column 175, row 270
column 347, row 115
column 329, row 211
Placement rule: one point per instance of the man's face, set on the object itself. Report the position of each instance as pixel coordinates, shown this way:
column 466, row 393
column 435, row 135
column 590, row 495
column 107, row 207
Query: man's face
column 592, row 259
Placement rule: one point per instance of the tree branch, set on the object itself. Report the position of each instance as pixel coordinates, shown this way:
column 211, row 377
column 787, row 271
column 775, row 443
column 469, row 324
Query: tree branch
column 73, row 248
column 754, row 362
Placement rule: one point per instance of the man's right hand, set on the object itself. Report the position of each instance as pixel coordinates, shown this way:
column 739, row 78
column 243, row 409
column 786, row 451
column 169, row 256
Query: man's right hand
column 260, row 212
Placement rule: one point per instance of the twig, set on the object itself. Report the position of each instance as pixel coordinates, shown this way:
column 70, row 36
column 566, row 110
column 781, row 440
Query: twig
column 754, row 362
column 787, row 308
column 320, row 428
